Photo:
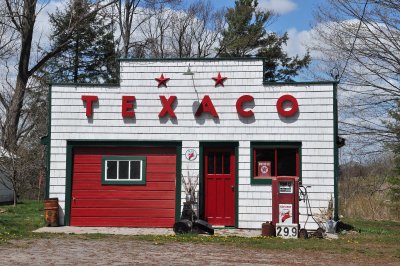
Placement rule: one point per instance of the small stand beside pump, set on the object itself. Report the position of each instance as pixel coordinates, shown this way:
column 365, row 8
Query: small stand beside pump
column 303, row 233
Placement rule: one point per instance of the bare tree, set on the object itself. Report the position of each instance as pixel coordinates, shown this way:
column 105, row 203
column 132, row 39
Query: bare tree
column 362, row 40
column 126, row 12
column 7, row 35
column 181, row 37
column 156, row 32
column 207, row 28
column 21, row 15
column 21, row 169
column 128, row 16
column 195, row 31
column 22, row 95
column 182, row 31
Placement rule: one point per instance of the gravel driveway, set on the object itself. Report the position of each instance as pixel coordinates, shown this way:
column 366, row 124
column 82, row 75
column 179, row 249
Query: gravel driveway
column 119, row 251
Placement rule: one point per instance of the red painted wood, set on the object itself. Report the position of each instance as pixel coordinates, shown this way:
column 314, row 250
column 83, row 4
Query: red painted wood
column 239, row 105
column 89, row 100
column 149, row 205
column 287, row 98
column 87, row 168
column 206, row 106
column 167, row 106
column 134, row 151
column 162, row 177
column 220, row 191
column 123, row 221
column 103, row 194
column 128, row 104
column 105, row 203
column 122, row 212
column 155, row 159
column 93, row 185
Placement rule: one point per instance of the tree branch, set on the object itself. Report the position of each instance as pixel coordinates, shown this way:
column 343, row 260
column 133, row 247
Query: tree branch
column 68, row 33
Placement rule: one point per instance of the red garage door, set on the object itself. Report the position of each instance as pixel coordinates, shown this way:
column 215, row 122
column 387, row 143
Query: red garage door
column 150, row 203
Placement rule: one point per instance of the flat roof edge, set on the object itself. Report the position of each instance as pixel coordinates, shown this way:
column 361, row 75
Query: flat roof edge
column 84, row 84
column 190, row 59
column 266, row 83
column 320, row 82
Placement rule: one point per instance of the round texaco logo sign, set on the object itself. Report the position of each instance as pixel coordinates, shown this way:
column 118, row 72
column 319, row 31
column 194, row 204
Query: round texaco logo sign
column 191, row 154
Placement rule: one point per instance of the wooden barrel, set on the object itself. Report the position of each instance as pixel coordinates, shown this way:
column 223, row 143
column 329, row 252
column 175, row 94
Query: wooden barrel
column 51, row 211
column 268, row 229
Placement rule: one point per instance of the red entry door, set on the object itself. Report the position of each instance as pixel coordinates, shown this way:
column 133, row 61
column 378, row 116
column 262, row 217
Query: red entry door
column 220, row 186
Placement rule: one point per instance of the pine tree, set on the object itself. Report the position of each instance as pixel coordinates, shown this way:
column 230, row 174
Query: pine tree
column 90, row 56
column 246, row 36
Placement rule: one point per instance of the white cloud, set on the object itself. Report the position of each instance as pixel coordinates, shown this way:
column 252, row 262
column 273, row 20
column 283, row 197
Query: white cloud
column 296, row 45
column 278, row 6
column 300, row 41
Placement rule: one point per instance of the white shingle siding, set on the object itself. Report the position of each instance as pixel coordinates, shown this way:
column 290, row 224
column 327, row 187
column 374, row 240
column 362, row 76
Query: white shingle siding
column 313, row 126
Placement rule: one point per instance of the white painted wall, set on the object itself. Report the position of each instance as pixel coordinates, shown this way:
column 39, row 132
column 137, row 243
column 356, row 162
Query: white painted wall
column 313, row 126
column 6, row 194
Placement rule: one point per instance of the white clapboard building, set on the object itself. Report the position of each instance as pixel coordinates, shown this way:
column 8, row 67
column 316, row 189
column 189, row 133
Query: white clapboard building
column 122, row 154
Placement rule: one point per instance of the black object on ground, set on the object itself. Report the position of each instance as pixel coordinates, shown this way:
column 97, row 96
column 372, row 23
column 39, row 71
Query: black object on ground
column 184, row 226
column 190, row 223
column 202, row 227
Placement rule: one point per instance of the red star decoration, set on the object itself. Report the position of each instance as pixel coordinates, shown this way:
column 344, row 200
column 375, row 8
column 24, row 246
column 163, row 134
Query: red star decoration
column 219, row 80
column 162, row 81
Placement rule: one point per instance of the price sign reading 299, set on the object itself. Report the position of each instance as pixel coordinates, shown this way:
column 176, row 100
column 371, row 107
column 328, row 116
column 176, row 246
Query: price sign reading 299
column 287, row 230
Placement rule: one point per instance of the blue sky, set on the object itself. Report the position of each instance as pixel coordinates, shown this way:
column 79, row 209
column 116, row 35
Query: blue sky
column 297, row 14
column 294, row 17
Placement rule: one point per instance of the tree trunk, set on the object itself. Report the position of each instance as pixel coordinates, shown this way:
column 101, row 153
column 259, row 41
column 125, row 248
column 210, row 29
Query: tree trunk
column 12, row 117
column 76, row 60
column 126, row 30
column 10, row 133
column 15, row 198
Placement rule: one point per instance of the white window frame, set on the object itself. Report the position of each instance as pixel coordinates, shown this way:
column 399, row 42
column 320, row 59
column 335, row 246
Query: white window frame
column 129, row 159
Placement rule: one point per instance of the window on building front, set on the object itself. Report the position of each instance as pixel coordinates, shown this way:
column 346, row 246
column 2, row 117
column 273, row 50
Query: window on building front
column 124, row 170
column 218, row 163
column 269, row 161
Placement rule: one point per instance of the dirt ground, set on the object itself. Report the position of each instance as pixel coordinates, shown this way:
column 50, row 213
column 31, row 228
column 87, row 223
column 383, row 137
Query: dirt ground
column 115, row 251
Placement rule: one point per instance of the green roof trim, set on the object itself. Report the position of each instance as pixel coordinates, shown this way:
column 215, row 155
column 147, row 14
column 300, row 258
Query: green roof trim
column 322, row 82
column 336, row 153
column 48, row 144
column 117, row 84
column 191, row 59
column 85, row 84
column 266, row 83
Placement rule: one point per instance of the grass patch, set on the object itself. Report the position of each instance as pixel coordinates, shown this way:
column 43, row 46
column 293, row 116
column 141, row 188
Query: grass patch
column 19, row 222
column 371, row 238
column 372, row 227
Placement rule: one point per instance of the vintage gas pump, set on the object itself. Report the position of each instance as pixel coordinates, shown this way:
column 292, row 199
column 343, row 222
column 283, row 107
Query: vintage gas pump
column 285, row 205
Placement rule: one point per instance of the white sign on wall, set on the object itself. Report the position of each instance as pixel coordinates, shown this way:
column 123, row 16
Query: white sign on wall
column 191, row 154
column 285, row 213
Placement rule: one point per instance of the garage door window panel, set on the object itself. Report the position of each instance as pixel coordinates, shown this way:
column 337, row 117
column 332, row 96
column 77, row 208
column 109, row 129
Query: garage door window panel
column 124, row 170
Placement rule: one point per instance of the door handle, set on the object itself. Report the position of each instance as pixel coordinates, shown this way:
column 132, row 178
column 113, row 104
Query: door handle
column 233, row 188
